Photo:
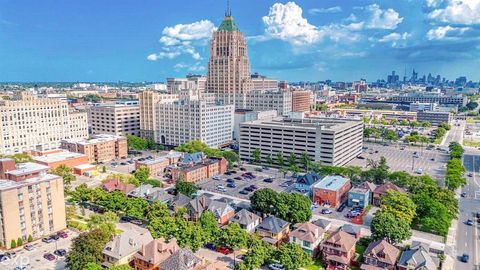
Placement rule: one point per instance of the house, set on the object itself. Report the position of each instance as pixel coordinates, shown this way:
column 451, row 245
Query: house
column 247, row 220
column 370, row 187
column 308, row 236
column 352, row 230
column 338, row 250
column 149, row 256
column 382, row 189
column 122, row 248
column 273, row 230
column 417, row 258
column 323, row 223
column 182, row 259
column 222, row 211
column 305, row 182
column 331, row 190
column 117, row 185
column 216, row 265
column 159, row 194
column 197, row 205
column 179, row 201
column 380, row 255
column 141, row 191
column 358, row 197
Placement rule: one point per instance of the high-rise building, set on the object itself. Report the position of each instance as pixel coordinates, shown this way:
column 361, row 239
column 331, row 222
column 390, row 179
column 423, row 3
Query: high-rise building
column 148, row 102
column 301, row 100
column 115, row 119
column 229, row 67
column 261, row 82
column 32, row 202
column 31, row 123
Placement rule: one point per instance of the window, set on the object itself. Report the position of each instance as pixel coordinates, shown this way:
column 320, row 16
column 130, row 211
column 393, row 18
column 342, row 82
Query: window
column 306, row 244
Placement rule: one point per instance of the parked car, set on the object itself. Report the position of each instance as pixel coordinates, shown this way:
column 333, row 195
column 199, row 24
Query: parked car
column 268, row 180
column 464, row 257
column 224, row 250
column 243, row 192
column 249, row 189
column 242, row 169
column 136, row 222
column 20, row 268
column 469, row 222
column 238, row 178
column 216, row 177
column 360, row 157
column 210, row 246
column 55, row 237
column 470, row 174
column 254, row 187
column 230, row 180
column 276, row 266
column 28, row 247
column 47, row 240
column 10, row 254
column 49, row 256
column 228, row 173
column 326, row 211
column 231, row 185
column 123, row 163
column 478, row 215
column 60, row 252
column 464, row 194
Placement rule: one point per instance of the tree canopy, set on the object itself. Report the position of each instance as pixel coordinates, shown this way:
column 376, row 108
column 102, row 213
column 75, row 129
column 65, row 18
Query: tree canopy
column 387, row 226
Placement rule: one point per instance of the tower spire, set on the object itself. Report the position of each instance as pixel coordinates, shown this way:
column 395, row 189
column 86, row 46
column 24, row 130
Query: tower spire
column 228, row 12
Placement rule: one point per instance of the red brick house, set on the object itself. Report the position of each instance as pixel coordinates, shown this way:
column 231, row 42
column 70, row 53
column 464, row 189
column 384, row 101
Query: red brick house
column 382, row 189
column 338, row 250
column 331, row 190
column 380, row 255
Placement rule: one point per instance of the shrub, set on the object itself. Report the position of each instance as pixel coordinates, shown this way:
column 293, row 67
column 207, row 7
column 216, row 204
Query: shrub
column 19, row 241
column 13, row 244
column 30, row 238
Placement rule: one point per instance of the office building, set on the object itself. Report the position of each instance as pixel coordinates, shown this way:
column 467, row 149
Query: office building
column 32, row 202
column 261, row 82
column 187, row 119
column 419, row 97
column 197, row 167
column 59, row 157
column 31, row 123
column 417, row 106
column 159, row 165
column 191, row 82
column 435, row 118
column 265, row 100
column 246, row 115
column 331, row 141
column 301, row 100
column 148, row 103
column 229, row 66
column 101, row 148
column 115, row 119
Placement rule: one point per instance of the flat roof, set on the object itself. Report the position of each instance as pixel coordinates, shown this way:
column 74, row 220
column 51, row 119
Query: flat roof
column 332, row 182
column 97, row 139
column 359, row 190
column 27, row 168
column 84, row 166
column 59, row 156
column 161, row 158
column 9, row 184
column 313, row 123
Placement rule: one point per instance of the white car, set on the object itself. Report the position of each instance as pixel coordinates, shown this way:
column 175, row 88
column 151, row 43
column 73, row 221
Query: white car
column 276, row 266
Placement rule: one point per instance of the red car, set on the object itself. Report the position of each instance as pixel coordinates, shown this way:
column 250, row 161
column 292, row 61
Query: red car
column 224, row 250
column 49, row 256
column 62, row 234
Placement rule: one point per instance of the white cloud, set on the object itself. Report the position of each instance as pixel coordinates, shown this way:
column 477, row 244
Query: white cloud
column 396, row 39
column 383, row 19
column 465, row 12
column 286, row 22
column 315, row 11
column 194, row 68
column 433, row 3
column 446, row 32
column 182, row 38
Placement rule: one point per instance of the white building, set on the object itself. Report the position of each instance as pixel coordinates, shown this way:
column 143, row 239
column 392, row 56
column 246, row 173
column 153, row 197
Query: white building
column 115, row 119
column 246, row 115
column 281, row 101
column 417, row 106
column 189, row 118
column 28, row 122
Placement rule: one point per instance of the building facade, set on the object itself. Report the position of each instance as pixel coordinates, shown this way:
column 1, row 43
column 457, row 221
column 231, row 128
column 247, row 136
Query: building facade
column 265, row 100
column 115, row 119
column 440, row 99
column 31, row 123
column 148, row 104
column 301, row 100
column 331, row 190
column 247, row 115
column 32, row 202
column 101, row 148
column 328, row 140
column 434, row 118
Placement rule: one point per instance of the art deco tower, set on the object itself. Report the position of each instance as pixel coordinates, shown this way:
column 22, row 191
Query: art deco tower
column 229, row 67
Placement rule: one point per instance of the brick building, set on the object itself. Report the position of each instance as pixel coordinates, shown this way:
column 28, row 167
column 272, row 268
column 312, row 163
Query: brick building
column 101, row 148
column 197, row 167
column 331, row 190
column 301, row 100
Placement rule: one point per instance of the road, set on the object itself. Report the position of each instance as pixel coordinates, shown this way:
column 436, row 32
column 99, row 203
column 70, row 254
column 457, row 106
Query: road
column 455, row 134
column 467, row 236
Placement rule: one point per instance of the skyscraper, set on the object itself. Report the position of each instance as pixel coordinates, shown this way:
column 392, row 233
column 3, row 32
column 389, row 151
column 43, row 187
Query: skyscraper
column 229, row 67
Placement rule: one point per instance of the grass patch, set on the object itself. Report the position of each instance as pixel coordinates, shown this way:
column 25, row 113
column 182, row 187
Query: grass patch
column 471, row 143
column 316, row 265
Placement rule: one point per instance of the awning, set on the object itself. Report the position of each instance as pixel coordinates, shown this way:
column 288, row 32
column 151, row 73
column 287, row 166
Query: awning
column 355, row 200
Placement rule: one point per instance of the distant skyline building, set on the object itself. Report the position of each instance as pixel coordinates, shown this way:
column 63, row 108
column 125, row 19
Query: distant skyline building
column 229, row 67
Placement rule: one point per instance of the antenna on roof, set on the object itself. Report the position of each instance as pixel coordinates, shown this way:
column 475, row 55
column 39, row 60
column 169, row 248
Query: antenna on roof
column 228, row 13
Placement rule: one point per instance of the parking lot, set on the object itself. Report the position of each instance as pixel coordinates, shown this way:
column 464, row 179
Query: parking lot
column 402, row 158
column 278, row 182
column 34, row 259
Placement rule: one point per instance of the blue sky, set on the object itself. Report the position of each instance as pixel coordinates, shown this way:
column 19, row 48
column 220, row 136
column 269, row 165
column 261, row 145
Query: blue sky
column 149, row 40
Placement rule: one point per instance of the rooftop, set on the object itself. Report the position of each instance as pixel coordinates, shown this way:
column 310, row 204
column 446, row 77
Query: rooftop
column 310, row 123
column 28, row 168
column 332, row 182
column 57, row 156
column 96, row 139
column 228, row 25
column 9, row 184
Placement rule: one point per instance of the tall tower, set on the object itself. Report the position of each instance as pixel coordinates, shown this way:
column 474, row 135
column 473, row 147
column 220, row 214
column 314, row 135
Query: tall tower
column 229, row 68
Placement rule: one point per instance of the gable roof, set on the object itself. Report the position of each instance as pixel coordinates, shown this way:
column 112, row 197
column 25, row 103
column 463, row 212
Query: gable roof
column 388, row 186
column 383, row 251
column 219, row 209
column 350, row 229
column 180, row 200
column 345, row 240
column 192, row 158
column 308, row 178
column 307, row 232
column 127, row 242
column 368, row 185
column 157, row 250
column 273, row 224
column 115, row 184
column 245, row 217
column 199, row 204
column 418, row 258
column 182, row 259
column 323, row 223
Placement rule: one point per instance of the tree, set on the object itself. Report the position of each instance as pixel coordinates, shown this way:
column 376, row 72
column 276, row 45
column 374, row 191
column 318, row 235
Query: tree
column 432, row 216
column 231, row 157
column 30, row 238
column 386, row 226
column 142, row 174
column 104, row 169
column 269, row 160
column 160, row 222
column 426, row 124
column 136, row 207
column 105, row 222
column 92, row 98
column 87, row 248
column 292, row 256
column 66, row 173
column 263, row 200
column 391, row 135
column 13, row 243
column 257, row 255
column 256, row 156
column 120, row 267
column 136, row 143
column 367, row 132
column 234, row 236
column 280, row 159
column 292, row 160
column 21, row 158
column 185, row 188
column 305, row 159
column 209, row 225
column 93, row 266
column 398, row 204
column 297, row 207
column 19, row 242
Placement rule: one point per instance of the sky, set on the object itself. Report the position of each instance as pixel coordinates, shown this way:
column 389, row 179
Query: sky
column 310, row 40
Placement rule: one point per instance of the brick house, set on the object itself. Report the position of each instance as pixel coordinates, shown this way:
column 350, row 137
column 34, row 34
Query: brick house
column 382, row 189
column 338, row 250
column 331, row 190
column 380, row 255
column 152, row 254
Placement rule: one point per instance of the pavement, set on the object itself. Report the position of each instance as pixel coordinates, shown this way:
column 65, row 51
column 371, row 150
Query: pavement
column 455, row 134
column 467, row 237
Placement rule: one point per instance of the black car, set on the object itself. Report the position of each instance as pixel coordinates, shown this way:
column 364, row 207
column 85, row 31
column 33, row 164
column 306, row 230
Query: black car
column 341, row 207
column 230, row 180
column 268, row 180
column 228, row 173
column 464, row 258
column 253, row 187
column 210, row 246
column 55, row 237
column 238, row 178
column 60, row 252
column 249, row 189
column 243, row 191
column 123, row 163
column 242, row 169
column 125, row 219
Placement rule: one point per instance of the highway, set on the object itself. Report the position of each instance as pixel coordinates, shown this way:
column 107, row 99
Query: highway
column 467, row 236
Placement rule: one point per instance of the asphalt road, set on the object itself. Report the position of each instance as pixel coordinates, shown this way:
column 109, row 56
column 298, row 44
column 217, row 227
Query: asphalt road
column 467, row 236
column 455, row 134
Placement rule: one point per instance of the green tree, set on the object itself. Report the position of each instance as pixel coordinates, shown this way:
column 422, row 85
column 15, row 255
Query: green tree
column 231, row 157
column 256, row 156
column 19, row 242
column 305, row 159
column 399, row 204
column 263, row 200
column 105, row 222
column 120, row 267
column 185, row 188
column 269, row 160
column 13, row 243
column 92, row 98
column 234, row 236
column 280, row 159
column 426, row 124
column 104, row 169
column 292, row 160
column 367, row 133
column 391, row 135
column 87, row 248
column 209, row 225
column 66, row 173
column 30, row 238
column 136, row 207
column 82, row 194
column 292, row 256
column 142, row 174
column 432, row 216
column 93, row 266
column 136, row 143
column 297, row 207
column 386, row 226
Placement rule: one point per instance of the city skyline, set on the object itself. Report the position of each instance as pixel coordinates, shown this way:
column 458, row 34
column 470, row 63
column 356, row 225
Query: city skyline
column 312, row 41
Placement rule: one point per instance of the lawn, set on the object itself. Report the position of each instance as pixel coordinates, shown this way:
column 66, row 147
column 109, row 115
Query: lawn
column 471, row 143
column 316, row 265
